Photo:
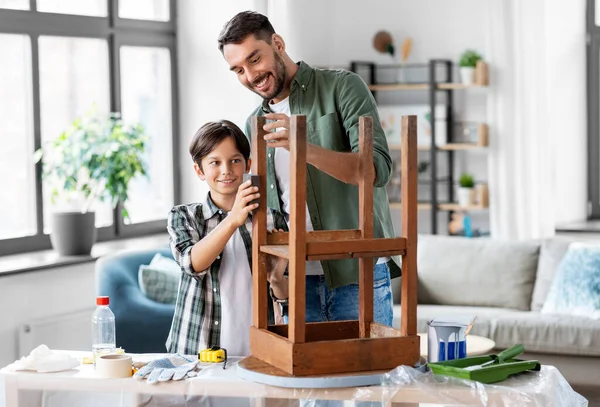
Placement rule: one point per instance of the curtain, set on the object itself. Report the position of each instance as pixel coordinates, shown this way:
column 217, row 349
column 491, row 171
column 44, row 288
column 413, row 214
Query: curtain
column 537, row 124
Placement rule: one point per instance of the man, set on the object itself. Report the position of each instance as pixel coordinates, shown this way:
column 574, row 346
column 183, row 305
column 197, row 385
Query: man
column 332, row 102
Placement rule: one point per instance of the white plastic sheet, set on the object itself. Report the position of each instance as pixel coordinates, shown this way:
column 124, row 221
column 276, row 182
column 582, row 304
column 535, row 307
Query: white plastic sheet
column 545, row 388
column 215, row 386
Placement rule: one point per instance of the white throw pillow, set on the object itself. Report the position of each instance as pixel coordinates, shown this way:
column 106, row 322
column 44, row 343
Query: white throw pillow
column 576, row 286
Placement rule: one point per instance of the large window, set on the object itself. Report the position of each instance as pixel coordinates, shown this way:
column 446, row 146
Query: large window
column 593, row 111
column 62, row 58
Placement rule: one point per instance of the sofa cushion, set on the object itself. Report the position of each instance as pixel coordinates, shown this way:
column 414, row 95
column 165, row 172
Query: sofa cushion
column 476, row 272
column 543, row 333
column 552, row 252
column 159, row 280
column 576, row 286
column 551, row 334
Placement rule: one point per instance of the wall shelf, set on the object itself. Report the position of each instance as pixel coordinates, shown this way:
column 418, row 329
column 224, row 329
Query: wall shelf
column 445, row 147
column 435, row 77
column 421, row 86
column 450, row 206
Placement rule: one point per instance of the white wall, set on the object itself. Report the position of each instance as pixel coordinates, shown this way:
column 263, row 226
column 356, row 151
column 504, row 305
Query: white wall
column 208, row 90
column 43, row 294
column 439, row 29
column 291, row 20
column 568, row 107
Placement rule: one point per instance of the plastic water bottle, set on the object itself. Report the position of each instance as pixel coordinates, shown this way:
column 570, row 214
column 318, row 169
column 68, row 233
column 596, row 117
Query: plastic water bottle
column 103, row 329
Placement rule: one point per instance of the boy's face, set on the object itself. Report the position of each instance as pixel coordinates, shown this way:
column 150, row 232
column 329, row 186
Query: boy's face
column 223, row 169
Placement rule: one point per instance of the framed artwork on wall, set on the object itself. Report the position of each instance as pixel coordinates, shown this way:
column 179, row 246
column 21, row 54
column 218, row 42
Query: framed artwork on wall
column 391, row 119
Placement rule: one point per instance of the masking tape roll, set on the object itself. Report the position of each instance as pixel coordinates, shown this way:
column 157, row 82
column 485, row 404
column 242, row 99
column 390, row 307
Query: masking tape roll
column 113, row 366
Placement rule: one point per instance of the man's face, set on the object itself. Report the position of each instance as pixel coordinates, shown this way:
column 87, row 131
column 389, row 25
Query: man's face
column 258, row 66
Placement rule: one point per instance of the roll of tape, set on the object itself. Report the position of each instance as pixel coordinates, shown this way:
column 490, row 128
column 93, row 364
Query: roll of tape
column 113, row 366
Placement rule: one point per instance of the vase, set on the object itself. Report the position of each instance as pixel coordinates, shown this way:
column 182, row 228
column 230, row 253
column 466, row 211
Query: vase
column 73, row 233
column 466, row 197
column 467, row 75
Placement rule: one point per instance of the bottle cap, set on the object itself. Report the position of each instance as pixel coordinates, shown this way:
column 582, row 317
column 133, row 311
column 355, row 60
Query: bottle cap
column 102, row 300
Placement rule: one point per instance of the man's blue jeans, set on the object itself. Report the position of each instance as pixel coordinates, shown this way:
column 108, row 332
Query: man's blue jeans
column 341, row 304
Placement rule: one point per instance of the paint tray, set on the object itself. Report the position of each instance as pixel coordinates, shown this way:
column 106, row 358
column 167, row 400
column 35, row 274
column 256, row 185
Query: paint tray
column 503, row 366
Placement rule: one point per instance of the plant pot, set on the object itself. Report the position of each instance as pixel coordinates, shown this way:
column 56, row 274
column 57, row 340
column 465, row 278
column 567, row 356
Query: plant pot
column 73, row 233
column 467, row 75
column 466, row 196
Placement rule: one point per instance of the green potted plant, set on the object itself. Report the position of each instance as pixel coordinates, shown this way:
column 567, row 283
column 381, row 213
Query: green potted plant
column 466, row 190
column 468, row 61
column 93, row 160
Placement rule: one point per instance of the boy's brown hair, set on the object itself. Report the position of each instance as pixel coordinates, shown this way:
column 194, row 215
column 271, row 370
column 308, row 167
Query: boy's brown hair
column 211, row 134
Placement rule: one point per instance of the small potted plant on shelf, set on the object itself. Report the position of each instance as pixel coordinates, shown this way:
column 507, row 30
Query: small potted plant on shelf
column 466, row 190
column 93, row 160
column 468, row 62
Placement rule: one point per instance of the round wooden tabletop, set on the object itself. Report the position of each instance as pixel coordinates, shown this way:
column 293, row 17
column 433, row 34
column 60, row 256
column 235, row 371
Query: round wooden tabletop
column 476, row 345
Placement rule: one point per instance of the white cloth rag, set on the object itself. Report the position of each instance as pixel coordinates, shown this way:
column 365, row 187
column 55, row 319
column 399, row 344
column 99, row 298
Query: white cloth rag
column 43, row 360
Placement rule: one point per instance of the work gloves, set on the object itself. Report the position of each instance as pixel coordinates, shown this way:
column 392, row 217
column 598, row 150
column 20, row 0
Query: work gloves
column 171, row 367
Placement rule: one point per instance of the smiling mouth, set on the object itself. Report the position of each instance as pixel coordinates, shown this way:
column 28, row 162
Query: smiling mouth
column 262, row 84
column 226, row 181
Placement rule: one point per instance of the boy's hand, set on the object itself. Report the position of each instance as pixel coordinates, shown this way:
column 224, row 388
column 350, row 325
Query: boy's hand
column 276, row 267
column 240, row 210
column 275, row 277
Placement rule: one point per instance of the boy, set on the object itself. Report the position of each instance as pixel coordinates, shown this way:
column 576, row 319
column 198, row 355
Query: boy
column 211, row 241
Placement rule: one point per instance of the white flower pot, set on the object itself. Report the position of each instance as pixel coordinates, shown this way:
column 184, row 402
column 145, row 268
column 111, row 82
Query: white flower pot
column 466, row 196
column 467, row 75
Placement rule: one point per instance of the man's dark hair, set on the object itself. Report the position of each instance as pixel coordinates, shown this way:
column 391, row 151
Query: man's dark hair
column 211, row 134
column 244, row 24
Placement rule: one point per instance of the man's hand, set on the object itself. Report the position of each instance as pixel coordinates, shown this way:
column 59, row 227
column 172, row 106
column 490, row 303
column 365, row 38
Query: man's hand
column 280, row 138
column 240, row 210
column 344, row 166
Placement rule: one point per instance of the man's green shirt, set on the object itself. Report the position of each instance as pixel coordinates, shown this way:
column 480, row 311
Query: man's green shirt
column 332, row 102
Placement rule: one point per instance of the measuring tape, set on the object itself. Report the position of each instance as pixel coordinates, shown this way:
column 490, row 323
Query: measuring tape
column 213, row 355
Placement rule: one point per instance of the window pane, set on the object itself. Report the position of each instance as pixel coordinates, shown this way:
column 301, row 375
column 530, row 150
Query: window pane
column 17, row 172
column 74, row 78
column 95, row 8
column 157, row 10
column 15, row 4
column 146, row 98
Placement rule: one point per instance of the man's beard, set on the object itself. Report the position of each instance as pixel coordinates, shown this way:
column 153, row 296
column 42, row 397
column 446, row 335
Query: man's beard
column 278, row 79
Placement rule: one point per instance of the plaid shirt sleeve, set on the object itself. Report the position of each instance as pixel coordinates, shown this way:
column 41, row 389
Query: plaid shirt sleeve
column 186, row 227
column 197, row 317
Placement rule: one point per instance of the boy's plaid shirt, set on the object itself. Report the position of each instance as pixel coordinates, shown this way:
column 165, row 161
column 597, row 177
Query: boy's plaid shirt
column 197, row 320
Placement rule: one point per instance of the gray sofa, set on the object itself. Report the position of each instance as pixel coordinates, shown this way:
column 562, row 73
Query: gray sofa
column 505, row 284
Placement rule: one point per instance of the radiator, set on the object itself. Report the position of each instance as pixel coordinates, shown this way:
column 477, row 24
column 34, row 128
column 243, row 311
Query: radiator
column 71, row 331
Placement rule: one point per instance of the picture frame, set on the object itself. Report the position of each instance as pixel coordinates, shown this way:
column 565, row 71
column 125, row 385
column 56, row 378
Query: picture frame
column 390, row 117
